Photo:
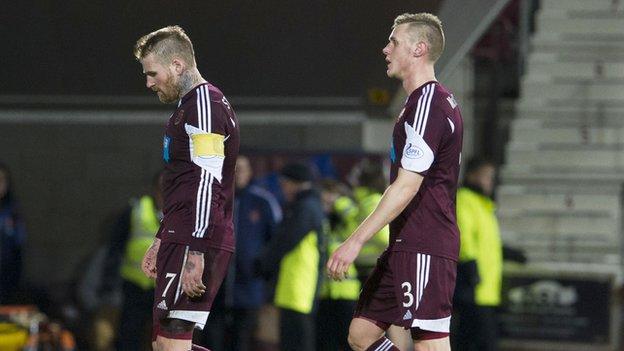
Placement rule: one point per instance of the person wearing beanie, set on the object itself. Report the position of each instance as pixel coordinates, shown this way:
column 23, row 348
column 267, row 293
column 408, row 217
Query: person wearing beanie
column 295, row 254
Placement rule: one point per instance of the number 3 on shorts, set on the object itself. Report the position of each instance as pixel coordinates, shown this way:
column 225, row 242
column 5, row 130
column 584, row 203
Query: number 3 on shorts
column 171, row 277
column 408, row 294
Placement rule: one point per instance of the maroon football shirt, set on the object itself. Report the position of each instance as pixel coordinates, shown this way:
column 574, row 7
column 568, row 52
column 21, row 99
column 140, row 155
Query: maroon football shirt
column 427, row 139
column 199, row 200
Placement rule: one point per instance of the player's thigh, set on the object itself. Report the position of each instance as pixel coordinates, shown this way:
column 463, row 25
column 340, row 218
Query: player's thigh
column 170, row 344
column 168, row 290
column 424, row 286
column 442, row 344
column 378, row 298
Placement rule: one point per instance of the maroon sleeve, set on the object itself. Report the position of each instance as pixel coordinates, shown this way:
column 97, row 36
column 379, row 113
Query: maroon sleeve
column 425, row 131
column 436, row 129
column 217, row 123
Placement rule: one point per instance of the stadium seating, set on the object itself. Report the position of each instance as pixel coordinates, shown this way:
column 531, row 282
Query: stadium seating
column 561, row 192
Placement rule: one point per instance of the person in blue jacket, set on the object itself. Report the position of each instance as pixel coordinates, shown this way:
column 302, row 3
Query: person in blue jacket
column 243, row 293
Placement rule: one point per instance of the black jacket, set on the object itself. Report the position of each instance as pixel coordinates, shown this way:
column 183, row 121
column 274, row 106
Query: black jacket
column 303, row 215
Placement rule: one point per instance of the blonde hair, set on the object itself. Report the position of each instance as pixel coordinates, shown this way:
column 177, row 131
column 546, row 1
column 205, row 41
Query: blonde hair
column 426, row 27
column 166, row 44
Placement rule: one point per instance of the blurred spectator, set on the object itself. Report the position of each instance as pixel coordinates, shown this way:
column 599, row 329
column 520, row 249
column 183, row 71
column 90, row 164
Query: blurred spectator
column 370, row 184
column 256, row 213
column 132, row 235
column 295, row 253
column 479, row 272
column 337, row 298
column 12, row 235
column 270, row 180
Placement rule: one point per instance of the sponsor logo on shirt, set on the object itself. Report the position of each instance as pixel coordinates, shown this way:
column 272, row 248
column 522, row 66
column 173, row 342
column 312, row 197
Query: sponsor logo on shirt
column 162, row 305
column 414, row 152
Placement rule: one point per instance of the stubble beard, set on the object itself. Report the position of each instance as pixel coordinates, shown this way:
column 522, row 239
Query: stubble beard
column 171, row 92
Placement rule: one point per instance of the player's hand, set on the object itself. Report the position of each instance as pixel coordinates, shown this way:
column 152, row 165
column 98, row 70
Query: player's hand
column 192, row 284
column 148, row 265
column 339, row 262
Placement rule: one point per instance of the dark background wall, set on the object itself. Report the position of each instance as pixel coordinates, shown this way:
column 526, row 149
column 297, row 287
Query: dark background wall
column 248, row 48
column 69, row 178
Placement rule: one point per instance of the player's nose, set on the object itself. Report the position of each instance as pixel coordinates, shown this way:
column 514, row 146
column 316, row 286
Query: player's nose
column 149, row 83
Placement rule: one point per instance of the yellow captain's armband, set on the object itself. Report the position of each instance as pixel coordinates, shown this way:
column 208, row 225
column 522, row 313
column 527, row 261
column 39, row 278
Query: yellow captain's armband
column 207, row 145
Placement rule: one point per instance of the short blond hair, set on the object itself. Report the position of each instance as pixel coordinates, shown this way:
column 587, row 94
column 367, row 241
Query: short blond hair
column 166, row 44
column 426, row 27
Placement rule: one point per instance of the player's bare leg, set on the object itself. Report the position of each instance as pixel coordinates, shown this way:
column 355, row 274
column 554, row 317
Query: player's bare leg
column 401, row 337
column 442, row 344
column 177, row 327
column 363, row 333
column 166, row 344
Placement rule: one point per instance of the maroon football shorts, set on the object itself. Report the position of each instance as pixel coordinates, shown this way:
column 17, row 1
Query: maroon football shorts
column 411, row 290
column 169, row 299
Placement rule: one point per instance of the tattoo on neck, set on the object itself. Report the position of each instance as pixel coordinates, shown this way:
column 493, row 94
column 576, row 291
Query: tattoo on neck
column 196, row 253
column 188, row 80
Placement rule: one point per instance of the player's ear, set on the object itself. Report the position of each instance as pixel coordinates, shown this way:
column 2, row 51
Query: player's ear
column 420, row 49
column 178, row 66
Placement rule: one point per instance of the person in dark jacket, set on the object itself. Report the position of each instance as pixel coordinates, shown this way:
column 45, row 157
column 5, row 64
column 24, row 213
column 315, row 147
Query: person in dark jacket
column 131, row 235
column 295, row 253
column 236, row 307
column 12, row 236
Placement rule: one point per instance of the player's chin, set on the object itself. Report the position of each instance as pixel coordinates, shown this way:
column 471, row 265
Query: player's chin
column 166, row 99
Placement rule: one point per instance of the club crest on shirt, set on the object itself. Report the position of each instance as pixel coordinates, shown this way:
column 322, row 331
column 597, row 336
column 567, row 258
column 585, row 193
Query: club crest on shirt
column 179, row 117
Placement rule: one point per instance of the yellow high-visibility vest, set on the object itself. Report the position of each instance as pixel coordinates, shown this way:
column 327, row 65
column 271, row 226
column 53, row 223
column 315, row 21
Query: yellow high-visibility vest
column 144, row 224
column 348, row 288
column 481, row 241
column 367, row 200
column 298, row 276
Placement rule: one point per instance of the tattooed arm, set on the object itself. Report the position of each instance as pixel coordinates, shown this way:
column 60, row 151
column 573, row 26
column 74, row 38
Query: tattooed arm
column 149, row 259
column 192, row 284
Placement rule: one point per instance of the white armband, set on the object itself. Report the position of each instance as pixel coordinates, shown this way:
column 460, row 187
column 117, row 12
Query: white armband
column 417, row 155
